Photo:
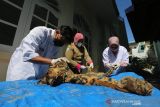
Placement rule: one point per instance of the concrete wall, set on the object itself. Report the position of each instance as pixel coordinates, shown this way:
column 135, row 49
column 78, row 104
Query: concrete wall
column 65, row 17
column 119, row 30
column 98, row 38
column 98, row 32
column 4, row 60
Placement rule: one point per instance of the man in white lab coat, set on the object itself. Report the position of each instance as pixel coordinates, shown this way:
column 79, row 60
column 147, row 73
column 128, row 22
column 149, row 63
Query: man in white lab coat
column 115, row 57
column 36, row 52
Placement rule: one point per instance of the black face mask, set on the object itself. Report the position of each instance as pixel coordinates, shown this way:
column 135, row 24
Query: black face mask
column 59, row 43
column 114, row 48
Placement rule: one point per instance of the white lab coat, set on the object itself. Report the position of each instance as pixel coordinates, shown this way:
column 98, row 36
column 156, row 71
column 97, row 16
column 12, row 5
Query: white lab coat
column 110, row 58
column 38, row 42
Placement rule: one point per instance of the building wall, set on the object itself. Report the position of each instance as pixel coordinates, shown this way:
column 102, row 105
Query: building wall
column 22, row 29
column 99, row 31
column 65, row 18
column 144, row 20
column 118, row 29
column 4, row 59
column 141, row 50
column 157, row 50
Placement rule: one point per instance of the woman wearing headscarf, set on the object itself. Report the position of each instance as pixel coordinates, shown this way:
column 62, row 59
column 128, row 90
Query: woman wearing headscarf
column 115, row 57
column 77, row 54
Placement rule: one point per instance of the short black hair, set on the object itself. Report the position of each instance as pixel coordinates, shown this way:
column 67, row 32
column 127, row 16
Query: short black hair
column 66, row 32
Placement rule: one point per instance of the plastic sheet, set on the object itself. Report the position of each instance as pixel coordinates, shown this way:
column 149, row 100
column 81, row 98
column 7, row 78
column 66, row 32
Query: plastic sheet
column 30, row 94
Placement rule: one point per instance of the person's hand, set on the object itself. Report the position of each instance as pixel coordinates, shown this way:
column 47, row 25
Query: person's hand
column 123, row 64
column 115, row 66
column 109, row 66
column 55, row 60
column 83, row 67
column 112, row 66
column 59, row 59
column 91, row 65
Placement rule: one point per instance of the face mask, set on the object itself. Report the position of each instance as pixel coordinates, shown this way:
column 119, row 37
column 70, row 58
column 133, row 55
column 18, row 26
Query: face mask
column 79, row 44
column 114, row 48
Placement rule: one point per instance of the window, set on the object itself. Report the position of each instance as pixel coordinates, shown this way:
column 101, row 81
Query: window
column 9, row 20
column 141, row 47
column 40, row 12
column 52, row 19
column 36, row 22
column 54, row 4
column 50, row 26
column 43, row 17
column 7, row 33
column 11, row 14
column 19, row 16
column 17, row 2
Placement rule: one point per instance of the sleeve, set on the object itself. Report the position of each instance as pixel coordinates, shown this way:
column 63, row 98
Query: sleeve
column 125, row 56
column 105, row 58
column 87, row 57
column 30, row 44
column 69, row 56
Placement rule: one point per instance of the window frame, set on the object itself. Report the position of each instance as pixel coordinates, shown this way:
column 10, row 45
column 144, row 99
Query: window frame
column 44, row 5
column 24, row 22
column 4, row 47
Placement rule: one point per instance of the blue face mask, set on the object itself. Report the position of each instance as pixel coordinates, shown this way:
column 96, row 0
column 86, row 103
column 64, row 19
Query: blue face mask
column 79, row 44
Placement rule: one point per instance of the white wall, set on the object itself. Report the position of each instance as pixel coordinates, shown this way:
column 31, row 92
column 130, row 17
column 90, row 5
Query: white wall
column 144, row 53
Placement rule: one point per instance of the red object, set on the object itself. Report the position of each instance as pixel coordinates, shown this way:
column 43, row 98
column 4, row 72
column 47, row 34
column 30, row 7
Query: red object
column 78, row 66
column 77, row 37
column 89, row 62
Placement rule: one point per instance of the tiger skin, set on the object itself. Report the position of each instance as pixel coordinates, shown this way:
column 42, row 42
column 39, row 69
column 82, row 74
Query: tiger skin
column 60, row 73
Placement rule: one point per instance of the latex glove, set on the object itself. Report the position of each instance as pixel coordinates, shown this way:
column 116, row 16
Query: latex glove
column 59, row 59
column 108, row 66
column 80, row 67
column 55, row 60
column 83, row 67
column 115, row 66
column 91, row 66
column 123, row 64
